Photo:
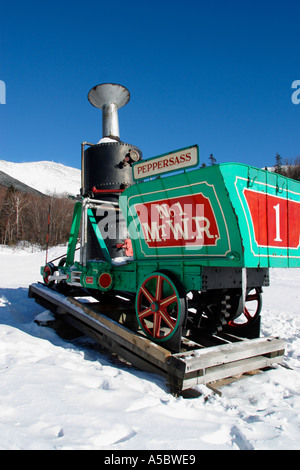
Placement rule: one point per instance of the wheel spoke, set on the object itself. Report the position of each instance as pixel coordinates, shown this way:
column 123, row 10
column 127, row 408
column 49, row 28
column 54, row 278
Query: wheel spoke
column 156, row 324
column 158, row 291
column 167, row 319
column 168, row 300
column 247, row 314
column 147, row 294
column 145, row 313
column 252, row 297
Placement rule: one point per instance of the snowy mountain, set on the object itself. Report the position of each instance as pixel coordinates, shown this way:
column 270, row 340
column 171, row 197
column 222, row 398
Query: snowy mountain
column 45, row 176
column 7, row 181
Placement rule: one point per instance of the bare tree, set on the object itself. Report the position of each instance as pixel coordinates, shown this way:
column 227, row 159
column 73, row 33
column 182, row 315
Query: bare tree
column 25, row 217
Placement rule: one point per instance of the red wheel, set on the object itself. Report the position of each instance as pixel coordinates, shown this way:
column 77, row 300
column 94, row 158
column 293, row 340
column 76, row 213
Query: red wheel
column 251, row 311
column 48, row 271
column 160, row 307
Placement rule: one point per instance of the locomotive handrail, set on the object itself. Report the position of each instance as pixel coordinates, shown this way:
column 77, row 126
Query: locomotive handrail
column 95, row 202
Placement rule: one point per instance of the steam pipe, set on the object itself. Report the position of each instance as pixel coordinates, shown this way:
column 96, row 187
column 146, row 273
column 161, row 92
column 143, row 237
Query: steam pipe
column 110, row 121
column 109, row 97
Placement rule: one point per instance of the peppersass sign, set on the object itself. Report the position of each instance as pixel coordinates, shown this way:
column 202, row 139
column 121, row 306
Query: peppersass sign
column 179, row 160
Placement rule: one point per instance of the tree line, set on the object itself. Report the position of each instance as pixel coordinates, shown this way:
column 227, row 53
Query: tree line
column 286, row 168
column 283, row 167
column 29, row 217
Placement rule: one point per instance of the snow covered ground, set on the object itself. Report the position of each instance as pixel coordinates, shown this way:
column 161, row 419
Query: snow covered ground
column 58, row 394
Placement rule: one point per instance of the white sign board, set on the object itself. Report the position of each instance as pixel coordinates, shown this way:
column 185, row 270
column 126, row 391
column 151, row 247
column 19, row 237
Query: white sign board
column 174, row 161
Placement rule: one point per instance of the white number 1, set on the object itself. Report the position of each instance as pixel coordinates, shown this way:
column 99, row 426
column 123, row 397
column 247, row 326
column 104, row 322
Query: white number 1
column 277, row 209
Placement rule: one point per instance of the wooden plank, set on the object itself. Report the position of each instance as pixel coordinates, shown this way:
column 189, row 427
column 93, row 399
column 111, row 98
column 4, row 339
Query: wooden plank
column 130, row 342
column 84, row 310
column 114, row 346
column 140, row 342
column 227, row 370
column 225, row 353
column 182, row 370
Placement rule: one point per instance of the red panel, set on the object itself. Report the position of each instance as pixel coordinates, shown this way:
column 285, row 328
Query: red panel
column 179, row 222
column 276, row 220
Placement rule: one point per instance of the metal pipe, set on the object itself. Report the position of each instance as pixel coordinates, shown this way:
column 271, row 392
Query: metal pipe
column 83, row 144
column 109, row 97
column 110, row 121
column 95, row 202
column 83, row 234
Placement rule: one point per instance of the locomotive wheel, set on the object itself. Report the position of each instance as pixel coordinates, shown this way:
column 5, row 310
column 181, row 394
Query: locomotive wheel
column 48, row 271
column 161, row 307
column 251, row 311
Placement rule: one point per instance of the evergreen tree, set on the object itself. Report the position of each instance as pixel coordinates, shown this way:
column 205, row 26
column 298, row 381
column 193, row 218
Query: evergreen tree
column 279, row 168
column 278, row 164
column 212, row 159
column 290, row 169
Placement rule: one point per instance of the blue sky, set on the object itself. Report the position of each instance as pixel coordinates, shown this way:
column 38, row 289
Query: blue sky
column 217, row 74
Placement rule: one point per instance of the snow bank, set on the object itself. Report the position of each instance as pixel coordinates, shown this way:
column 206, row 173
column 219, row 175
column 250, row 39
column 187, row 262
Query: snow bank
column 58, row 394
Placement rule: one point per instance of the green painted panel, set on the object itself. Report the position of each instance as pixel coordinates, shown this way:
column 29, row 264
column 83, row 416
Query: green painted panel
column 98, row 234
column 186, row 216
column 74, row 234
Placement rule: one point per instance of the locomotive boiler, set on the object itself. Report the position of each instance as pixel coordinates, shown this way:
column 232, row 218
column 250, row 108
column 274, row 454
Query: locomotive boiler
column 189, row 248
column 106, row 169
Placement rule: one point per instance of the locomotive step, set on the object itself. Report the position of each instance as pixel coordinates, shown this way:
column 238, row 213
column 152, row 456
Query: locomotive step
column 196, row 363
